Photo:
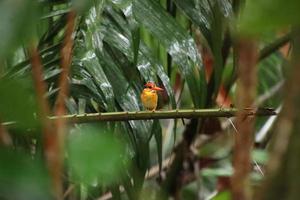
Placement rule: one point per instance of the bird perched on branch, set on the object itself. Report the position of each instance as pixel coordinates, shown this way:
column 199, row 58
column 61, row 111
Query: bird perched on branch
column 149, row 96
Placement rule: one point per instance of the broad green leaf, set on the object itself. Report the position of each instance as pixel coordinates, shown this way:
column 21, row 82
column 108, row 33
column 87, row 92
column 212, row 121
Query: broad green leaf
column 88, row 73
column 95, row 155
column 211, row 17
column 122, row 79
column 14, row 30
column 82, row 6
column 157, row 132
column 17, row 102
column 147, row 65
column 22, row 177
column 225, row 195
column 269, row 15
column 177, row 42
column 200, row 14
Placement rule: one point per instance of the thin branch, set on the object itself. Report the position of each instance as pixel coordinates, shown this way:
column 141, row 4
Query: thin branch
column 254, row 161
column 66, row 55
column 5, row 138
column 60, row 108
column 269, row 93
column 284, row 163
column 50, row 147
column 168, row 114
column 271, row 48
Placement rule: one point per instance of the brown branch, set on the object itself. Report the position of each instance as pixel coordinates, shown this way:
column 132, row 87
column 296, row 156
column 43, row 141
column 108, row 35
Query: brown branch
column 5, row 138
column 60, row 108
column 246, row 91
column 283, row 165
column 53, row 139
column 66, row 55
column 50, row 146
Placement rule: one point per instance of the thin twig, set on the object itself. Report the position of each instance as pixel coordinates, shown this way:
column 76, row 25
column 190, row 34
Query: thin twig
column 69, row 190
column 269, row 93
column 256, row 164
column 5, row 138
column 271, row 48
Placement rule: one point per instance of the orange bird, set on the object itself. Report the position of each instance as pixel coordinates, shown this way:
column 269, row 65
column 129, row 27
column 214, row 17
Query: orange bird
column 149, row 96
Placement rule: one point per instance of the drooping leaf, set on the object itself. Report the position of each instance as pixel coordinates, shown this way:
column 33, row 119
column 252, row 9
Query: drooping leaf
column 177, row 42
column 211, row 18
column 157, row 132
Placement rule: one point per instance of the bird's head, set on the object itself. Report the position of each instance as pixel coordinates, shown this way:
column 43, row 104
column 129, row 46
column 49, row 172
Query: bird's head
column 151, row 85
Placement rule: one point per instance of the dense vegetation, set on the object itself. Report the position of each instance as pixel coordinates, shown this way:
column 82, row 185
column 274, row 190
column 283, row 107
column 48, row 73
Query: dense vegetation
column 62, row 57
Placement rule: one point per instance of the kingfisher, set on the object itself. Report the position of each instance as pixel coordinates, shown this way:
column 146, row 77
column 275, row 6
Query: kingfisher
column 149, row 96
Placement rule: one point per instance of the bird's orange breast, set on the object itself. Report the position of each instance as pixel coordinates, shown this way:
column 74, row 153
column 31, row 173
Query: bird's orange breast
column 149, row 99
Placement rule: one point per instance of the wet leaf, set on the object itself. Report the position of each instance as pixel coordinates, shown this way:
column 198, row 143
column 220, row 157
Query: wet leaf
column 156, row 130
column 177, row 42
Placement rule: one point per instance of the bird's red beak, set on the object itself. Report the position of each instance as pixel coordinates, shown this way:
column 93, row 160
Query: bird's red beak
column 157, row 88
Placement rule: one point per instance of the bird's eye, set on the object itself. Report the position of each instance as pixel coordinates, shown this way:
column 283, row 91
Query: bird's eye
column 148, row 86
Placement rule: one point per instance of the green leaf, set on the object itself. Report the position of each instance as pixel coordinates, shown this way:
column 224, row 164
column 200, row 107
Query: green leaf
column 225, row 195
column 14, row 30
column 156, row 130
column 224, row 171
column 177, row 42
column 260, row 156
column 268, row 15
column 17, row 102
column 200, row 14
column 22, row 177
column 211, row 17
column 96, row 155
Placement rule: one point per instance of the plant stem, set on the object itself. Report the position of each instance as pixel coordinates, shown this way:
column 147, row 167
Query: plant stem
column 168, row 114
column 246, row 91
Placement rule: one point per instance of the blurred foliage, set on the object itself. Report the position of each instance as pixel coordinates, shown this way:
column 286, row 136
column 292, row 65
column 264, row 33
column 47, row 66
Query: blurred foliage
column 17, row 102
column 22, row 177
column 118, row 46
column 14, row 30
column 96, row 156
column 269, row 15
